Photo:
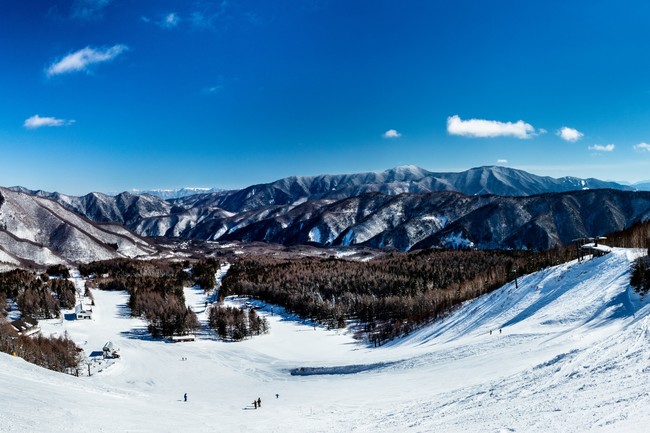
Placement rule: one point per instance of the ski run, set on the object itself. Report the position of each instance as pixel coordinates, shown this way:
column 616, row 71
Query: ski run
column 566, row 351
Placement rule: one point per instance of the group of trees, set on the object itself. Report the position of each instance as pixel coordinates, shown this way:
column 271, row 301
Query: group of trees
column 388, row 296
column 204, row 272
column 235, row 324
column 40, row 297
column 155, row 289
column 55, row 353
column 36, row 295
column 60, row 271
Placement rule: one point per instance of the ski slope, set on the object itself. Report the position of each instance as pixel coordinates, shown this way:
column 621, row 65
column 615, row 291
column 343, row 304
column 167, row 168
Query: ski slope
column 569, row 351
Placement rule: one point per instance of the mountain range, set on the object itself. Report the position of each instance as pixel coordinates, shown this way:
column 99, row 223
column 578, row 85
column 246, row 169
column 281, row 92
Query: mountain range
column 403, row 208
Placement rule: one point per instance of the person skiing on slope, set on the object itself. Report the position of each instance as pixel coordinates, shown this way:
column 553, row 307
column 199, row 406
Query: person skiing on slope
column 259, row 402
column 185, row 397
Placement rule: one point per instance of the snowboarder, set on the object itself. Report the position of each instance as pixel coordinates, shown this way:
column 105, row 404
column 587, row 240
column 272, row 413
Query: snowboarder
column 259, row 402
column 185, row 397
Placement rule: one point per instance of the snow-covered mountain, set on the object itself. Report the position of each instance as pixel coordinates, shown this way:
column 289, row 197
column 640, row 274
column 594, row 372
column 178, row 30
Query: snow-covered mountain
column 566, row 350
column 167, row 194
column 40, row 231
column 409, row 221
column 404, row 179
column 402, row 208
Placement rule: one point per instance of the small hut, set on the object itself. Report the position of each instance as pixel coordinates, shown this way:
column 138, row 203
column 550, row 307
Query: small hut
column 109, row 351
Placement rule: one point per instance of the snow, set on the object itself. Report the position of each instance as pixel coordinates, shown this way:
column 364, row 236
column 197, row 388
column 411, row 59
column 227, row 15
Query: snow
column 569, row 351
column 441, row 220
column 315, row 235
column 457, row 240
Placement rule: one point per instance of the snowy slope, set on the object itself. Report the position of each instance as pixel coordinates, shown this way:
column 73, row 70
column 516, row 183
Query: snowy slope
column 573, row 355
column 37, row 230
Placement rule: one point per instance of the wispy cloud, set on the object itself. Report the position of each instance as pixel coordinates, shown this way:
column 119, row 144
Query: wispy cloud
column 601, row 148
column 642, row 147
column 211, row 90
column 88, row 9
column 569, row 134
column 168, row 21
column 85, row 57
column 488, row 128
column 502, row 161
column 171, row 20
column 37, row 121
column 392, row 133
column 208, row 14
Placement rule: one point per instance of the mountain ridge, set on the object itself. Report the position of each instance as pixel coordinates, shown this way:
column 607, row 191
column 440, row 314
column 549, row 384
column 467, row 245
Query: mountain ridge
column 402, row 208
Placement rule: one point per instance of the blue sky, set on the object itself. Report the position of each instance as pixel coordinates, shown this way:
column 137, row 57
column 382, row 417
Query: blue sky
column 111, row 95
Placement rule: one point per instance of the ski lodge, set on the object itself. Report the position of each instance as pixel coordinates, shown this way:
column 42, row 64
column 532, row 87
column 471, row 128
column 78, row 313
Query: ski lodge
column 81, row 313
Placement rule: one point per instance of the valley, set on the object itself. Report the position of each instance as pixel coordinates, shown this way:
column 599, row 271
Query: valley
column 567, row 349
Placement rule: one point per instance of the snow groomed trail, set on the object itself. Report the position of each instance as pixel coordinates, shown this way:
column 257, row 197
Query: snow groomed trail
column 569, row 350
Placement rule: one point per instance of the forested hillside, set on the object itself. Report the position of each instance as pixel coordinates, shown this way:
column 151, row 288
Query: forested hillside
column 385, row 297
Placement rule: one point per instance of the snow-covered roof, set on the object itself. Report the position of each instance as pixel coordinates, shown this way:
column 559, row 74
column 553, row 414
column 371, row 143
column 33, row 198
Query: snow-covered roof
column 24, row 324
column 594, row 247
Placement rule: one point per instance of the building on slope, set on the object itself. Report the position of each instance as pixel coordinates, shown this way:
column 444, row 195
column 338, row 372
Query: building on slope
column 81, row 312
column 26, row 326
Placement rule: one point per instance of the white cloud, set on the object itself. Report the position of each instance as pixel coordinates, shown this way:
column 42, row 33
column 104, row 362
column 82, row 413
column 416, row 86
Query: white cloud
column 569, row 134
column 88, row 9
column 643, row 147
column 488, row 128
column 37, row 121
column 502, row 161
column 392, row 133
column 80, row 60
column 600, row 148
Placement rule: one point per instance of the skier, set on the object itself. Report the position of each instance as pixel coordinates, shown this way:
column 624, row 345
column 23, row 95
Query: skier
column 277, row 395
column 259, row 402
column 255, row 404
column 500, row 330
column 185, row 397
column 490, row 332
